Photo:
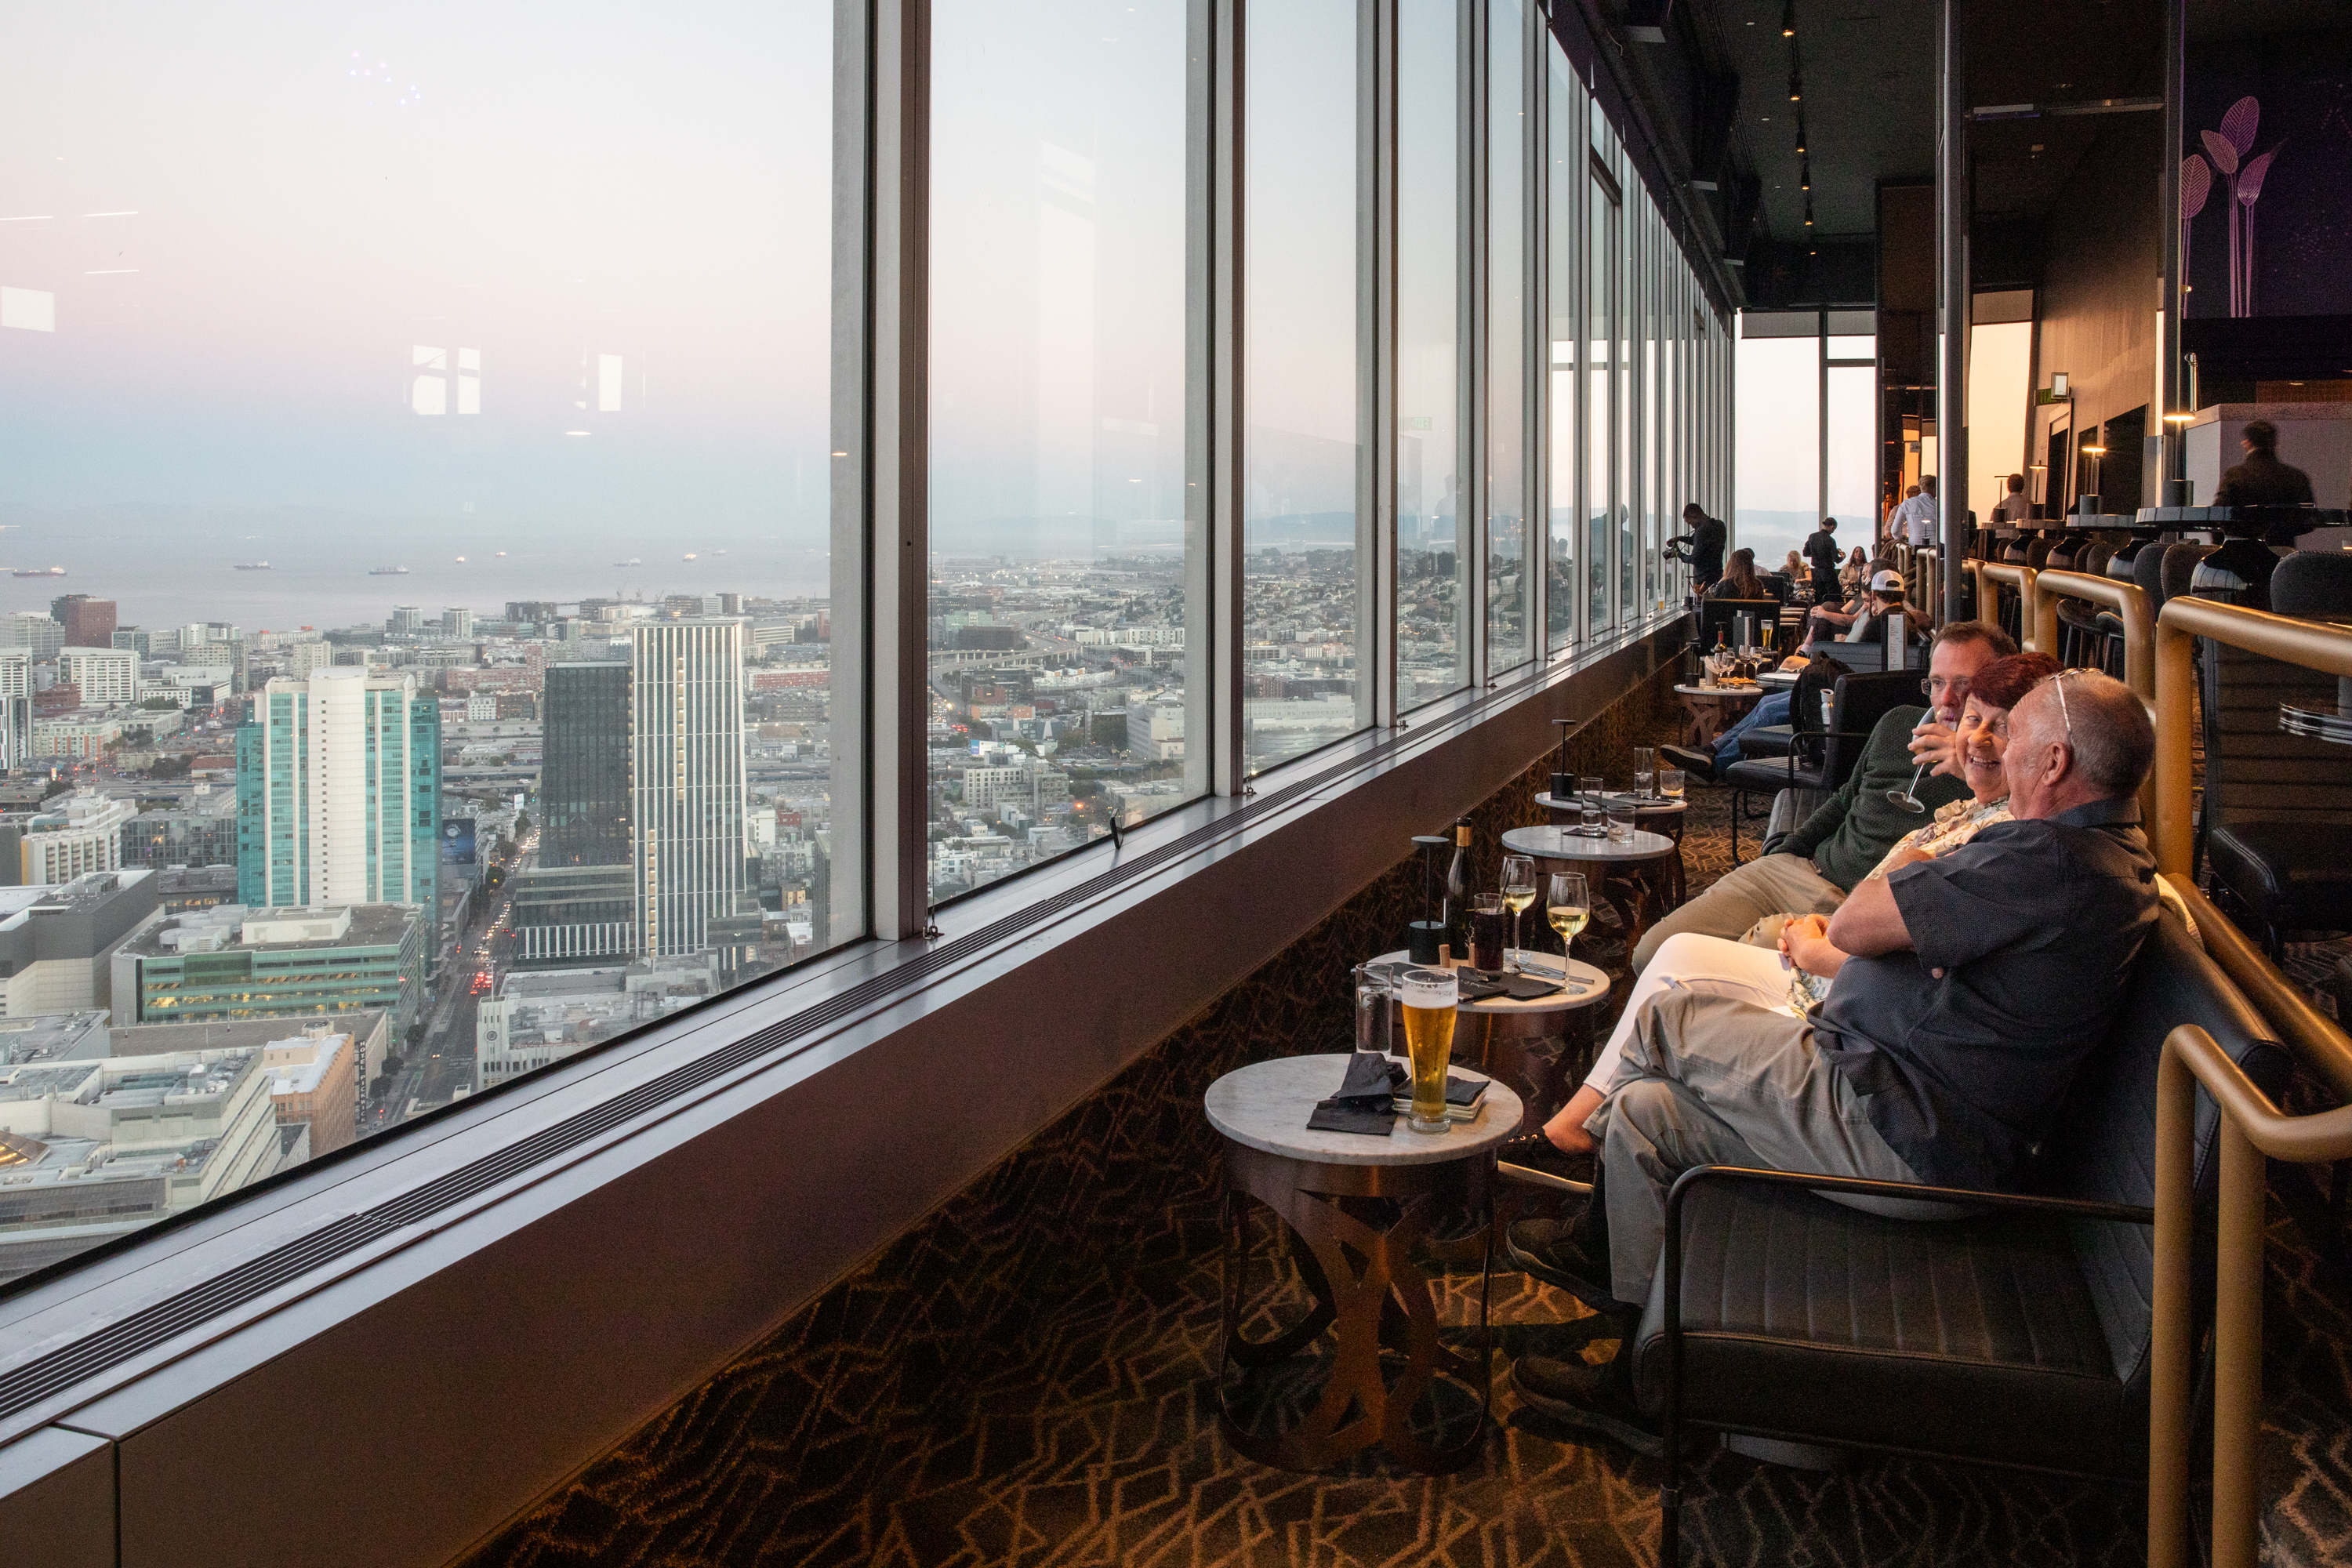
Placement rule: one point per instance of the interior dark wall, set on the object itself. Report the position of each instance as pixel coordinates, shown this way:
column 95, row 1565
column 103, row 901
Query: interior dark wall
column 2102, row 260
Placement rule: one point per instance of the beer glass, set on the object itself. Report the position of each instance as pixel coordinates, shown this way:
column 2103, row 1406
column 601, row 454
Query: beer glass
column 1429, row 997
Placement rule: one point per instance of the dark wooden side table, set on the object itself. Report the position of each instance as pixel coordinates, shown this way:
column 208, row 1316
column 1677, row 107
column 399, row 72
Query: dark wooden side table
column 1626, row 876
column 1356, row 1206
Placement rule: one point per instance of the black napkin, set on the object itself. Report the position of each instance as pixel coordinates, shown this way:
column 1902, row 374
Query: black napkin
column 1459, row 1090
column 1481, row 984
column 1362, row 1104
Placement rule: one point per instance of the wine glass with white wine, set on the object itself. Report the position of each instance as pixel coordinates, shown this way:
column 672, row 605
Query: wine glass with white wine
column 1518, row 892
column 1568, row 906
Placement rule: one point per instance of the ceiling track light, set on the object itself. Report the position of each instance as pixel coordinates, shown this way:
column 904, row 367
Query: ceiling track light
column 1805, row 175
column 1801, row 133
column 1787, row 18
column 1796, row 89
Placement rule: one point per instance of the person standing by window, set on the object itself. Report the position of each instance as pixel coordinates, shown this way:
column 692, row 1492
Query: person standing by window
column 1822, row 550
column 1705, row 537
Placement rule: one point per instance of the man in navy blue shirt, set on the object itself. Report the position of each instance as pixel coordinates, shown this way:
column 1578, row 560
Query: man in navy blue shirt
column 1975, row 985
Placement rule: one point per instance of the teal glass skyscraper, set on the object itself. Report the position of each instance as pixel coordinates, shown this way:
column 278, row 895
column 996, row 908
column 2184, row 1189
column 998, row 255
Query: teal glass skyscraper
column 338, row 792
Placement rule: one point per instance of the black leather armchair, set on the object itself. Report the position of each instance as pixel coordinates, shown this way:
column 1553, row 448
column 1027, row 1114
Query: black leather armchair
column 1821, row 759
column 2017, row 1336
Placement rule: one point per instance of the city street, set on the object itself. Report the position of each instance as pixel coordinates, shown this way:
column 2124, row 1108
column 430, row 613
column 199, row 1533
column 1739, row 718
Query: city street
column 445, row 1063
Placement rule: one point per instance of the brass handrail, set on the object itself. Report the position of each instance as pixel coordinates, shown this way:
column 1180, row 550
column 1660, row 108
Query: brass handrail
column 2251, row 1127
column 2020, row 577
column 2314, row 645
column 2127, row 600
column 2319, row 1041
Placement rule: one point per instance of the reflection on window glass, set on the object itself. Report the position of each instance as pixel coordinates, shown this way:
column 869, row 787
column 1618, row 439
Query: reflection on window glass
column 1506, row 482
column 1564, row 190
column 397, row 403
column 1431, row 649
column 1298, row 529
column 1056, row 616
column 1852, row 431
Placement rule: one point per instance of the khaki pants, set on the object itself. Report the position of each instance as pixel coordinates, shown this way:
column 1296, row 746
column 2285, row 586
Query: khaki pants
column 1708, row 1079
column 1771, row 885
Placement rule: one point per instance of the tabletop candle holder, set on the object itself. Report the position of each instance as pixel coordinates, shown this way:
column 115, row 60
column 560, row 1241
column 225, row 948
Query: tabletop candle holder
column 1425, row 938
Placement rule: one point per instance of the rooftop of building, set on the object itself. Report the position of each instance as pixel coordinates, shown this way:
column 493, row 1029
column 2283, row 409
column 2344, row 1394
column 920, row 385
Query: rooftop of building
column 48, row 1038
column 223, row 1034
column 84, row 892
column 230, row 927
column 298, row 1064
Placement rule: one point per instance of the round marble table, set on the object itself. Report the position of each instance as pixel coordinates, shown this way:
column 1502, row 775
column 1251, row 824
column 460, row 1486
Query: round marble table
column 1713, row 710
column 1656, row 813
column 1643, row 866
column 1356, row 1258
column 1538, row 1046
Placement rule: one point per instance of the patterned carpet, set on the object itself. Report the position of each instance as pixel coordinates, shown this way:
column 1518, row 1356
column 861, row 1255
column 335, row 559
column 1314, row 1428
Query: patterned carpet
column 1029, row 1379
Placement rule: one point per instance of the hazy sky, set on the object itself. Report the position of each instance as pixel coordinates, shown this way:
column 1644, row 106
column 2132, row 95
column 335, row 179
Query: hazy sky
column 251, row 229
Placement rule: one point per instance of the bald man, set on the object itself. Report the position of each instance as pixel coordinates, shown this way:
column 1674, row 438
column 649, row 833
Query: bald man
column 1974, row 985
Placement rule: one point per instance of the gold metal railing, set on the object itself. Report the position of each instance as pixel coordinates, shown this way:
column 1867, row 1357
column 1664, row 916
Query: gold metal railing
column 2128, row 600
column 2314, row 645
column 2251, row 1127
column 1989, row 572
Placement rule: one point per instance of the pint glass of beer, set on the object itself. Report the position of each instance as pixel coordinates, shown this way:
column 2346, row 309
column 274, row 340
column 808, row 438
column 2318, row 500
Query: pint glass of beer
column 1428, row 997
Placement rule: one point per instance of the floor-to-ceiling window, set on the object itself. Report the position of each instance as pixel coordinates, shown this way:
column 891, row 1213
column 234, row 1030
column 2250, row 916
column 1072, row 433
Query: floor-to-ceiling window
column 1433, row 555
column 1056, row 605
column 1508, row 589
column 1602, row 477
column 1299, row 393
column 1564, row 187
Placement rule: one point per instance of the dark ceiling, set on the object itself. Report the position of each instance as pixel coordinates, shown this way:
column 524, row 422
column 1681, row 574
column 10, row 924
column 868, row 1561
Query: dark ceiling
column 1868, row 74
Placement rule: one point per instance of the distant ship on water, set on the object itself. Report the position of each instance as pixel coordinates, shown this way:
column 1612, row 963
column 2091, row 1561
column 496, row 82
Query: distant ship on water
column 38, row 572
column 632, row 560
column 253, row 565
column 387, row 571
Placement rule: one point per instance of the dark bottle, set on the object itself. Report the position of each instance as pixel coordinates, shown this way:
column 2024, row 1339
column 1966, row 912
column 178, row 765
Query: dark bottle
column 1457, row 893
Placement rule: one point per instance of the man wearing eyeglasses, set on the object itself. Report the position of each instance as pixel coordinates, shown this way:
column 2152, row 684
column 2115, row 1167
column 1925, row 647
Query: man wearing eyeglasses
column 1976, row 983
column 1811, row 869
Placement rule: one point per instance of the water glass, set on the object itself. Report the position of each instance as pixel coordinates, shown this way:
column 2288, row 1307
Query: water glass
column 1645, row 763
column 1592, row 820
column 1373, row 994
column 1620, row 824
column 1670, row 782
column 1591, row 789
column 1644, row 779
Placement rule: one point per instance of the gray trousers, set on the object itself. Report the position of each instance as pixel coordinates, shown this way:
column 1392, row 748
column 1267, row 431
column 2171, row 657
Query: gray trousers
column 1709, row 1079
column 1769, row 885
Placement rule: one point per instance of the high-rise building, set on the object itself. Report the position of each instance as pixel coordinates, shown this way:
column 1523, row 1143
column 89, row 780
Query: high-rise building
column 108, row 677
column 405, row 618
column 138, row 640
column 338, row 792
column 15, row 706
column 584, row 773
column 76, row 835
column 456, row 622
column 687, row 786
column 23, row 629
column 231, row 961
column 86, row 622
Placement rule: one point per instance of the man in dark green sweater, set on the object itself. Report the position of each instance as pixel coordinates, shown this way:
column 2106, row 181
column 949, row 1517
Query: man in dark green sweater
column 1840, row 843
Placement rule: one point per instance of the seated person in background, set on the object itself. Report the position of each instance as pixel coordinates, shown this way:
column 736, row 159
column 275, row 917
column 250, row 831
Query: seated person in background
column 1977, row 984
column 1866, row 621
column 1836, row 846
column 2014, row 508
column 1854, row 573
column 1758, row 967
column 1740, row 581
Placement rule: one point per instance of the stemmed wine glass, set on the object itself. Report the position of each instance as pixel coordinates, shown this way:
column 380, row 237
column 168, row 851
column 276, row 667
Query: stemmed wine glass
column 1568, row 905
column 1518, row 892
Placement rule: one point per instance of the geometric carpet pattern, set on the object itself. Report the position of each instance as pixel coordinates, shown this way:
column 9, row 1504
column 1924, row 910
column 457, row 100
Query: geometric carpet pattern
column 1028, row 1376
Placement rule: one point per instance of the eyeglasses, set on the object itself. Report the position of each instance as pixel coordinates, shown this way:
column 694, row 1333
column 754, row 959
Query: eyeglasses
column 1954, row 687
column 2059, row 681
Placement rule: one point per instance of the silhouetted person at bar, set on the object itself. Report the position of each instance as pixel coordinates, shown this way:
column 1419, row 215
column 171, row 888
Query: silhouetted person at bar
column 2262, row 480
column 2014, row 506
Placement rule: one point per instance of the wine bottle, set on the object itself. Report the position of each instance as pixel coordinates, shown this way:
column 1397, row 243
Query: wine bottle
column 1458, row 891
